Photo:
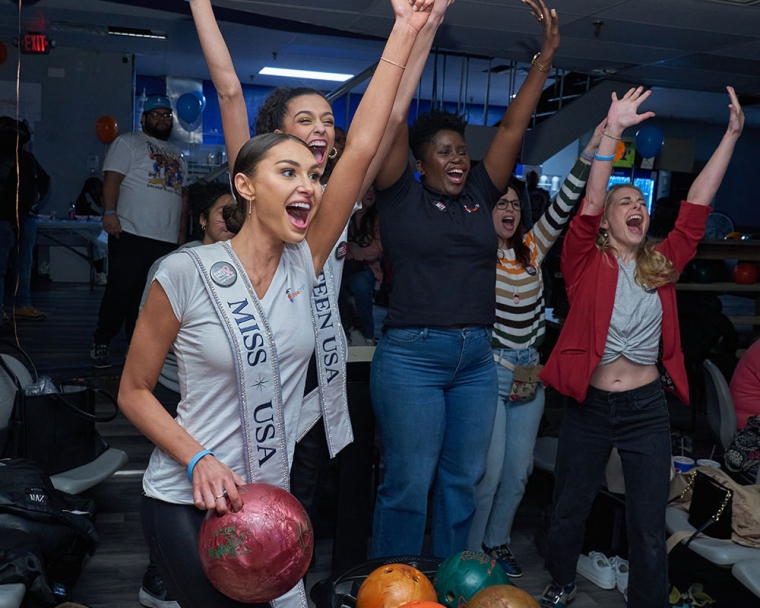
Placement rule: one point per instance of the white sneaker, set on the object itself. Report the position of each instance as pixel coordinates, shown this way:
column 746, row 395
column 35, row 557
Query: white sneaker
column 101, row 278
column 597, row 568
column 620, row 566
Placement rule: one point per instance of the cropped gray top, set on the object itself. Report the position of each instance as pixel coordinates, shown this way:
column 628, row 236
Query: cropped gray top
column 636, row 323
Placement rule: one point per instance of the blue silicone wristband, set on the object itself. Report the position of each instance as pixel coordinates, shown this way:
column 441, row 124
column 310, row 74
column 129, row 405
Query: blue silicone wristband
column 110, row 212
column 194, row 461
column 610, row 157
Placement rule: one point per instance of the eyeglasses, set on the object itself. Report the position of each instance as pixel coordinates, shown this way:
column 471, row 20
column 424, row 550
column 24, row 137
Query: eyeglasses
column 159, row 115
column 504, row 204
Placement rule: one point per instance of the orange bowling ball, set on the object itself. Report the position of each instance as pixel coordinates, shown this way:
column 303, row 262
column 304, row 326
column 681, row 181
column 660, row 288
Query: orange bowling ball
column 393, row 585
column 502, row 596
column 422, row 604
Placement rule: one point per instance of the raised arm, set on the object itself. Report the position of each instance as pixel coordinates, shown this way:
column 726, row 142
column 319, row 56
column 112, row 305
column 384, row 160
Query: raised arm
column 702, row 191
column 622, row 114
column 367, row 128
column 223, row 75
column 393, row 154
column 502, row 153
column 550, row 224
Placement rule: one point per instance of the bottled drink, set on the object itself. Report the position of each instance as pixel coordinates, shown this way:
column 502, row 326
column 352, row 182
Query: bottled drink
column 72, row 211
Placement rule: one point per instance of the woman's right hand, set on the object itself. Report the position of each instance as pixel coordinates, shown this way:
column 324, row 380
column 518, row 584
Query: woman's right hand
column 214, row 483
column 623, row 113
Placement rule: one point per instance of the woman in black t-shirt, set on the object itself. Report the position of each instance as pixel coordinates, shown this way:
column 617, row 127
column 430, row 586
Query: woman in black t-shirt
column 434, row 387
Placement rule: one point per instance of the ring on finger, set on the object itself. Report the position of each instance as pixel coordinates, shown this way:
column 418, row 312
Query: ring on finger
column 222, row 495
column 540, row 17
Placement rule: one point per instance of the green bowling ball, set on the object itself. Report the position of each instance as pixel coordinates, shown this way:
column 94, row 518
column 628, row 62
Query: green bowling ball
column 463, row 574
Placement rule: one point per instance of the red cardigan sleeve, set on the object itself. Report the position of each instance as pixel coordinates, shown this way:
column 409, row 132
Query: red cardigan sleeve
column 577, row 249
column 681, row 244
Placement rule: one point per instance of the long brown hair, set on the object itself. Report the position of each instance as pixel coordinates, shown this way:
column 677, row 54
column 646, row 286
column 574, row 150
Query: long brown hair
column 517, row 242
column 652, row 268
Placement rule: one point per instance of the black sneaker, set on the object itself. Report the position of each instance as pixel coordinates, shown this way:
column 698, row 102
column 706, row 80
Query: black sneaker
column 99, row 355
column 556, row 596
column 153, row 593
column 507, row 560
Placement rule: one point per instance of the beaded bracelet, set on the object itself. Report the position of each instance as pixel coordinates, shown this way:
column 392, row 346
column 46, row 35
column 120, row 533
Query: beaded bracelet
column 194, row 461
column 398, row 65
column 597, row 157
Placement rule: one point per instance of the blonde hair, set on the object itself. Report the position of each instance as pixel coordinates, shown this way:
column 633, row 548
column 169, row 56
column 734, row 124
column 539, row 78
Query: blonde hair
column 652, row 268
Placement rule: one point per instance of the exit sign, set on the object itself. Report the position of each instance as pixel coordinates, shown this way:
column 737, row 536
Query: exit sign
column 35, row 44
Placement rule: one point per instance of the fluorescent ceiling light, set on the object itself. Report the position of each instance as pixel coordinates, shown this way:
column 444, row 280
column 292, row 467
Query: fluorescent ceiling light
column 135, row 33
column 305, row 74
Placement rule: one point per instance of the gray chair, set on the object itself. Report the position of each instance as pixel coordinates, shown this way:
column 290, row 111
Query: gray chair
column 721, row 415
column 748, row 574
column 72, row 481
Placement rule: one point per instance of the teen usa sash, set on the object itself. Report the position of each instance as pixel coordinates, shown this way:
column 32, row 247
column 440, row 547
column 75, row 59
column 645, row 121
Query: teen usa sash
column 330, row 398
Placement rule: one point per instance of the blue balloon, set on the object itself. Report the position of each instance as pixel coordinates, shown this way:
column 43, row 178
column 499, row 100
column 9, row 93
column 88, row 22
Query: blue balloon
column 201, row 97
column 188, row 107
column 649, row 140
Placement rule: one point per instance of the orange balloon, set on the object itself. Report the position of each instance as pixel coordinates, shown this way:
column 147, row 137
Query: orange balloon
column 107, row 129
column 620, row 151
column 393, row 585
column 502, row 596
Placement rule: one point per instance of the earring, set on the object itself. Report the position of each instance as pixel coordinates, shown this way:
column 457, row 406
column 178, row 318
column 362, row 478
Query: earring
column 250, row 206
column 333, row 153
column 203, row 227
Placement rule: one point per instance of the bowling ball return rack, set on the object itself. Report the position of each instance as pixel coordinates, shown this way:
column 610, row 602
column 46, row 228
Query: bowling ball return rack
column 340, row 590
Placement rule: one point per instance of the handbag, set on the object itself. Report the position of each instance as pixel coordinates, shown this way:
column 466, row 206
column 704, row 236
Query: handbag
column 56, row 430
column 525, row 380
column 711, row 507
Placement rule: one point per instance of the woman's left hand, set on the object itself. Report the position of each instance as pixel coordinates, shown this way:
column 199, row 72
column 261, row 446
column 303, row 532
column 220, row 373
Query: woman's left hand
column 736, row 118
column 549, row 23
column 415, row 13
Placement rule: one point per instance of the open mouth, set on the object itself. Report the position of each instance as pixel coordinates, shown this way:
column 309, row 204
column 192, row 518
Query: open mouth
column 299, row 214
column 318, row 149
column 456, row 175
column 635, row 223
column 508, row 222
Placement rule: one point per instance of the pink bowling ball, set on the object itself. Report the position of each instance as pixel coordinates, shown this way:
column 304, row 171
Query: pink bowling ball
column 261, row 552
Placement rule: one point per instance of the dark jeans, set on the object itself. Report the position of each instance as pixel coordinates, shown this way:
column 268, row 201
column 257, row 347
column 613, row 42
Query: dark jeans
column 636, row 423
column 129, row 259
column 361, row 285
column 172, row 535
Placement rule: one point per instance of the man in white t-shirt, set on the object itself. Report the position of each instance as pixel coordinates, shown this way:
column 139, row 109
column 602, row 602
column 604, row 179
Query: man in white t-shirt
column 145, row 216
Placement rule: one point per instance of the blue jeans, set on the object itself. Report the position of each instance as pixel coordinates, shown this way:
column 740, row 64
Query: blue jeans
column 434, row 394
column 510, row 456
column 636, row 422
column 26, row 241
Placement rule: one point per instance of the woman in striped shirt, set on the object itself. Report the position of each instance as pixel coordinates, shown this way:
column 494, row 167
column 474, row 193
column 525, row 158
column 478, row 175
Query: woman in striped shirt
column 518, row 332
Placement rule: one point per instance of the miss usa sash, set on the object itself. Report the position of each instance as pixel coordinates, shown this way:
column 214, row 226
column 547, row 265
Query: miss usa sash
column 256, row 364
column 330, row 397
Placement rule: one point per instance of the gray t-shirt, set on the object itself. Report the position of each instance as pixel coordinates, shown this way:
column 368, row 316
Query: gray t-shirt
column 209, row 409
column 636, row 324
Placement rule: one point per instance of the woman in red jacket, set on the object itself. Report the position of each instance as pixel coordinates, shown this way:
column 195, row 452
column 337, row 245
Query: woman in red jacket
column 622, row 313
